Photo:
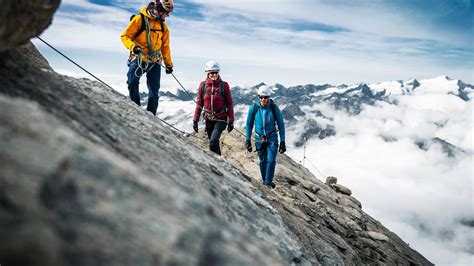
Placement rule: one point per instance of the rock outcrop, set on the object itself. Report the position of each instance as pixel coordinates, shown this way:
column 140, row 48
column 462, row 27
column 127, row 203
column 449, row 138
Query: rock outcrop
column 89, row 178
column 24, row 19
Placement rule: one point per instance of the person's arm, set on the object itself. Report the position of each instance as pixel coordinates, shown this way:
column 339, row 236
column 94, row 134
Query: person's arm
column 130, row 31
column 165, row 47
column 228, row 102
column 280, row 123
column 199, row 103
column 250, row 122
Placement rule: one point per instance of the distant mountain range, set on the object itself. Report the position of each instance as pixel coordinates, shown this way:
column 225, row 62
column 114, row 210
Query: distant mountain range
column 301, row 105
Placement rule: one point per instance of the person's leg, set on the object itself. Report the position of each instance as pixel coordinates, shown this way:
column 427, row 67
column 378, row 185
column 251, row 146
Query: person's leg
column 262, row 156
column 215, row 137
column 209, row 128
column 153, row 77
column 133, row 81
column 271, row 149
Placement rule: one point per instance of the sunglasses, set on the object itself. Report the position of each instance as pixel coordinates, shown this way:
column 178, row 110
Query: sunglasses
column 264, row 97
column 213, row 73
column 159, row 8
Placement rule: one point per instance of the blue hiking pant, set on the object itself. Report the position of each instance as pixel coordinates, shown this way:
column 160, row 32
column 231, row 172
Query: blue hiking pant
column 153, row 76
column 267, row 153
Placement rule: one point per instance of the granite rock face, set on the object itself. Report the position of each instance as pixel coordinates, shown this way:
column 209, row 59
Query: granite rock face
column 24, row 19
column 103, row 182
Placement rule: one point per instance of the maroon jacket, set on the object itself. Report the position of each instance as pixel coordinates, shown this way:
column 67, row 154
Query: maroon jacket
column 213, row 101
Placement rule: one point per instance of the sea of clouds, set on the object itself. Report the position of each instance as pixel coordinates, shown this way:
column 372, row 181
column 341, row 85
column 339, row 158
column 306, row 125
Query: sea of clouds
column 423, row 195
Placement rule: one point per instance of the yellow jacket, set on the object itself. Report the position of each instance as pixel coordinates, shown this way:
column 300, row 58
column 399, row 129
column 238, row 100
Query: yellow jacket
column 160, row 40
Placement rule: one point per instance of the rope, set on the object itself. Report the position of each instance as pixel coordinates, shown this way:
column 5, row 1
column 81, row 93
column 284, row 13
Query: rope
column 74, row 62
column 142, row 66
column 241, row 133
column 180, row 131
column 310, row 163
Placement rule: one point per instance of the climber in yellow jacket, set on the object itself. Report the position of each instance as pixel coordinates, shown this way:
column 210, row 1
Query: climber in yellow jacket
column 148, row 39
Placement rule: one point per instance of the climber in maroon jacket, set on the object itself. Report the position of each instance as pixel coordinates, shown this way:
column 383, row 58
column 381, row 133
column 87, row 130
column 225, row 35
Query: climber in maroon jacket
column 214, row 99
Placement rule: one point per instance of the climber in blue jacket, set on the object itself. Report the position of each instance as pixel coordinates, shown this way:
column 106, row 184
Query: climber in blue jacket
column 265, row 115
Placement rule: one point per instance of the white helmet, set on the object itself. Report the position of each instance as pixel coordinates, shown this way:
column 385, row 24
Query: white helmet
column 168, row 5
column 264, row 90
column 212, row 66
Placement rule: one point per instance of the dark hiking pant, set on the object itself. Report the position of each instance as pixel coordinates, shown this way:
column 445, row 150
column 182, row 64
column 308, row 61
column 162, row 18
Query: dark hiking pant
column 214, row 130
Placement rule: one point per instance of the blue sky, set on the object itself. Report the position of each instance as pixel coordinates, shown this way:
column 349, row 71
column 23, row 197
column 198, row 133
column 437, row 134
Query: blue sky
column 273, row 41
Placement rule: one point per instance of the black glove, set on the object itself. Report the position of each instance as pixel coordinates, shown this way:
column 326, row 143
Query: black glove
column 230, row 127
column 282, row 147
column 137, row 49
column 195, row 127
column 248, row 145
column 169, row 70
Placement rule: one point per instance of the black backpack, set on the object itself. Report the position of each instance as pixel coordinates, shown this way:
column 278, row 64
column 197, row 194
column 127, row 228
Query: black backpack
column 256, row 107
column 221, row 92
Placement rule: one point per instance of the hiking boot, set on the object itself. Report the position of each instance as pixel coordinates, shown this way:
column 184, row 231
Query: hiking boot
column 271, row 185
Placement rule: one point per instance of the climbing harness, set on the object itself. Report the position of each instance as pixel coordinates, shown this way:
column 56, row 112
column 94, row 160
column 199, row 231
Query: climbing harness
column 151, row 56
column 263, row 138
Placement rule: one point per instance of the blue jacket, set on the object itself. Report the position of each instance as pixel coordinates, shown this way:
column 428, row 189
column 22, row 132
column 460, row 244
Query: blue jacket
column 266, row 126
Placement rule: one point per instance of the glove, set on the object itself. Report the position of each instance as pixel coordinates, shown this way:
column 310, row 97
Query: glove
column 169, row 70
column 230, row 127
column 248, row 145
column 195, row 127
column 137, row 49
column 282, row 147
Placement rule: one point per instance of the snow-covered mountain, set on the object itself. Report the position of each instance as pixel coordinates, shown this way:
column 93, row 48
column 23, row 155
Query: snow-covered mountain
column 309, row 110
column 404, row 147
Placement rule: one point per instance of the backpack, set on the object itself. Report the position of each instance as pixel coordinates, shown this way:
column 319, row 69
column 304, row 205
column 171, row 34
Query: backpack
column 256, row 107
column 142, row 26
column 221, row 92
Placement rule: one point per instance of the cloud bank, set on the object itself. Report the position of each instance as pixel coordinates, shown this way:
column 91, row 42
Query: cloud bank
column 423, row 194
